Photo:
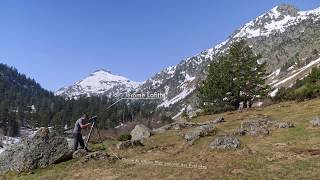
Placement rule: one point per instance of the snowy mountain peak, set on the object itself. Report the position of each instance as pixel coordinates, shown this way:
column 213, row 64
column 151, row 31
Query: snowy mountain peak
column 284, row 9
column 277, row 20
column 100, row 82
column 102, row 71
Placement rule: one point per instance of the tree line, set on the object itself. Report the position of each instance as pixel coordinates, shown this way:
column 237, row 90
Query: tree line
column 25, row 103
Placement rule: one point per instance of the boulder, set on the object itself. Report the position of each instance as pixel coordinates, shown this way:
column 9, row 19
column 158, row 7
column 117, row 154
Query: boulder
column 79, row 154
column 315, row 122
column 140, row 132
column 38, row 151
column 198, row 132
column 225, row 142
column 285, row 125
column 255, row 127
column 128, row 144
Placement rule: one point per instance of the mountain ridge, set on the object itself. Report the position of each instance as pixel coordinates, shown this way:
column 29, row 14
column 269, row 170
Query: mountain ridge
column 286, row 38
column 100, row 82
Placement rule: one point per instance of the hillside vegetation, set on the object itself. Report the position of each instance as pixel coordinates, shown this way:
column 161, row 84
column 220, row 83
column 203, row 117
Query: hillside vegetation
column 286, row 153
column 24, row 103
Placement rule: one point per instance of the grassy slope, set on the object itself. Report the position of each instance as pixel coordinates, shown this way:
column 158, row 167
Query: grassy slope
column 286, row 153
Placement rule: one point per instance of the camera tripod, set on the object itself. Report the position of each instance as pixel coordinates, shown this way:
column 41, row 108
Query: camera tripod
column 92, row 130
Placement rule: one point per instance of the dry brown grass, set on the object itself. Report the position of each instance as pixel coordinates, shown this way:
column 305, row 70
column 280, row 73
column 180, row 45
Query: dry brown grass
column 285, row 154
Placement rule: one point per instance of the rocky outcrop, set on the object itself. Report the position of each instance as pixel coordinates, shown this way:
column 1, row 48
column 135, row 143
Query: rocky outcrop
column 39, row 151
column 140, row 132
column 184, row 124
column 198, row 132
column 225, row 142
column 255, row 127
column 315, row 122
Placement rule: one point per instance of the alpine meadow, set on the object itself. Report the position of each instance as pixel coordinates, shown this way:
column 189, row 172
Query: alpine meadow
column 135, row 90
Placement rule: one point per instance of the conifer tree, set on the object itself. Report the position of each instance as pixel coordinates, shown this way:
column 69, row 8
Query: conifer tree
column 235, row 77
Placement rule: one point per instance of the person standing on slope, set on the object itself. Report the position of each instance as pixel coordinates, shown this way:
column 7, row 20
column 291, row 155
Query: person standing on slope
column 79, row 125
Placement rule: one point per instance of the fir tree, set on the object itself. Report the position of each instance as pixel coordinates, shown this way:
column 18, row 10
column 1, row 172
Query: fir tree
column 235, row 77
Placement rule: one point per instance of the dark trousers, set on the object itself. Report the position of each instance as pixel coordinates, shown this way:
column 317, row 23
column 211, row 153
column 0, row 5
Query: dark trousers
column 78, row 140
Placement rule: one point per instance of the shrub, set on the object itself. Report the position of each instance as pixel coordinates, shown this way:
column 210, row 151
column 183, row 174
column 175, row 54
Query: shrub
column 307, row 88
column 124, row 137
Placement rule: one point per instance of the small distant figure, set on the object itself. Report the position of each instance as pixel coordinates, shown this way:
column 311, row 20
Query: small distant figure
column 79, row 125
column 241, row 106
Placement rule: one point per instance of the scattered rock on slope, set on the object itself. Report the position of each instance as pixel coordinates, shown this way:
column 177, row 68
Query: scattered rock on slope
column 315, row 122
column 79, row 153
column 198, row 132
column 39, row 151
column 162, row 129
column 218, row 120
column 225, row 142
column 128, row 144
column 140, row 132
column 285, row 125
column 99, row 155
column 255, row 127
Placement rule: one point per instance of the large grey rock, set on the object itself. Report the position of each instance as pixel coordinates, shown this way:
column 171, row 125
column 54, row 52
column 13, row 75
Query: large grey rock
column 140, row 132
column 39, row 151
column 225, row 142
column 315, row 122
column 198, row 132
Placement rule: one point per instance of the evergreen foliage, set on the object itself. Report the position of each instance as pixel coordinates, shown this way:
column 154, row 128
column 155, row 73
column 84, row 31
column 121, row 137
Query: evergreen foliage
column 23, row 102
column 306, row 88
column 236, row 77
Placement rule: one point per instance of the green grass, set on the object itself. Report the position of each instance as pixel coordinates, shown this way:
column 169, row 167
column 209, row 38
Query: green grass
column 284, row 154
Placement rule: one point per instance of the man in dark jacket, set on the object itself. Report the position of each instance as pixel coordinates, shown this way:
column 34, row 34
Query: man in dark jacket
column 79, row 125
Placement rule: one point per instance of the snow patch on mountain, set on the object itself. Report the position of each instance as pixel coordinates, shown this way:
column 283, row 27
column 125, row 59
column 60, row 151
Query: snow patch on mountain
column 101, row 82
column 299, row 71
column 275, row 21
column 183, row 94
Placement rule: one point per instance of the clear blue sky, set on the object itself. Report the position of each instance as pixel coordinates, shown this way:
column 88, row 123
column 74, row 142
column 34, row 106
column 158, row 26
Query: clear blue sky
column 58, row 42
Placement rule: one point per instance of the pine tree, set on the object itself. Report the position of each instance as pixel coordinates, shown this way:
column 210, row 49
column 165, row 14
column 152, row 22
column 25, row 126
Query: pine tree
column 250, row 73
column 235, row 77
column 217, row 92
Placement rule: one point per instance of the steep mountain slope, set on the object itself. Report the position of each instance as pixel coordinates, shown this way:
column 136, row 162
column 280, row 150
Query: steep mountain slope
column 101, row 82
column 12, row 81
column 288, row 39
column 20, row 98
